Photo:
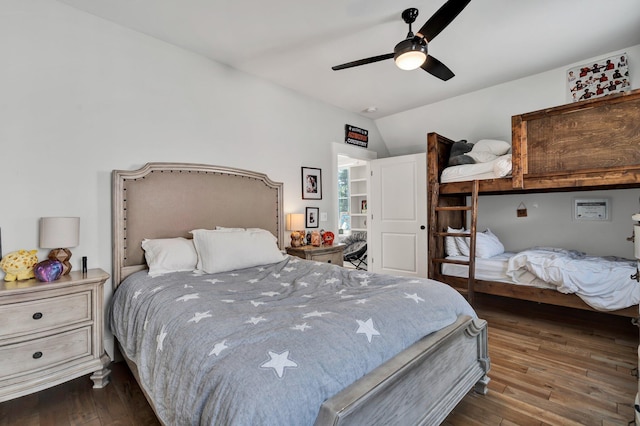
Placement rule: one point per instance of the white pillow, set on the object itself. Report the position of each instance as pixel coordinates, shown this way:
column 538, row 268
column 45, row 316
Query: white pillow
column 166, row 255
column 450, row 246
column 482, row 156
column 221, row 251
column 491, row 145
column 488, row 245
column 463, row 243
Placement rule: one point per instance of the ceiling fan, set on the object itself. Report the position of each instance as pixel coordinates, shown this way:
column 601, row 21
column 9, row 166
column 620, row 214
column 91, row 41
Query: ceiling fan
column 411, row 52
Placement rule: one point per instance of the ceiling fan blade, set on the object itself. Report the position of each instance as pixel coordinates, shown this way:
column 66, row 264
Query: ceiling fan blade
column 437, row 68
column 443, row 17
column 363, row 62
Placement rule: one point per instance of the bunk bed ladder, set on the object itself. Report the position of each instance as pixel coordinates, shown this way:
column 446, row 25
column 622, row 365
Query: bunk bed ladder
column 465, row 209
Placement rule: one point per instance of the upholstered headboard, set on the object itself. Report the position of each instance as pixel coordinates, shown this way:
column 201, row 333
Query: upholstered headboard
column 164, row 200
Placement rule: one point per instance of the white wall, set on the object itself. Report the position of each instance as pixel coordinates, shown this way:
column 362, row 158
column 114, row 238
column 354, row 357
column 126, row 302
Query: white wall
column 487, row 114
column 82, row 96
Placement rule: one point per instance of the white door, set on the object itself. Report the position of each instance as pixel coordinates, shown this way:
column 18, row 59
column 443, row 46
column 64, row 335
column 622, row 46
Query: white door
column 398, row 216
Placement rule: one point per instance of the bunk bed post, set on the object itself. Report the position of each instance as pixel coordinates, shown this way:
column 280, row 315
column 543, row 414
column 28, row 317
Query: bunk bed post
column 472, row 242
column 518, row 151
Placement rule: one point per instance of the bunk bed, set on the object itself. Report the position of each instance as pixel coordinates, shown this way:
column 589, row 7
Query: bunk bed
column 583, row 146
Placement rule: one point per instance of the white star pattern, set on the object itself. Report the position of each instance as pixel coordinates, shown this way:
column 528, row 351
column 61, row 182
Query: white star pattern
column 364, row 283
column 366, row 327
column 414, row 281
column 218, row 348
column 136, row 294
column 308, row 296
column 301, row 327
column 233, row 274
column 160, row 339
column 146, row 323
column 365, row 276
column 256, row 304
column 315, row 314
column 227, row 300
column 293, row 259
column 269, row 293
column 188, row 297
column 332, row 280
column 348, row 296
column 253, row 281
column 285, row 284
column 188, row 286
column 414, row 296
column 341, row 291
column 275, row 275
column 279, row 362
column 214, row 281
column 361, row 301
column 303, row 284
column 255, row 320
column 156, row 289
column 200, row 315
column 289, row 269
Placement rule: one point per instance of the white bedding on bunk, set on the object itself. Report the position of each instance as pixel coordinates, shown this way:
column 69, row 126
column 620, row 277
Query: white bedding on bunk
column 500, row 167
column 490, row 269
column 604, row 283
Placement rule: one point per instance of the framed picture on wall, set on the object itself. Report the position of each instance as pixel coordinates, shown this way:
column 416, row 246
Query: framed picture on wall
column 311, row 183
column 312, row 217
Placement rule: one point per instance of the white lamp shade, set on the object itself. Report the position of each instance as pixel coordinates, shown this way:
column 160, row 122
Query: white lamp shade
column 295, row 222
column 59, row 232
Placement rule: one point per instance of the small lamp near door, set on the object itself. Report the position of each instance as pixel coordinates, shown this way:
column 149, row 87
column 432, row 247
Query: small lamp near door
column 59, row 234
column 296, row 224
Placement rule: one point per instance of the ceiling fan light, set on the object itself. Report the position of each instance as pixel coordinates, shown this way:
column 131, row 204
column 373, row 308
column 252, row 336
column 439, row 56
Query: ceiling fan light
column 410, row 55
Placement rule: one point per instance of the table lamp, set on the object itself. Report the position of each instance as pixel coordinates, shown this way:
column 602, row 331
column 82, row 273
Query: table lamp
column 58, row 234
column 295, row 224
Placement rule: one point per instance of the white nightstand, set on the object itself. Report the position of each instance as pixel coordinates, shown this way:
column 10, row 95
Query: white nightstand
column 51, row 333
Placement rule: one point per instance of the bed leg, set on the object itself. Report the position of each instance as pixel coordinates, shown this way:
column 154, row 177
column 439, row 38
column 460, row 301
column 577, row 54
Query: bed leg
column 482, row 385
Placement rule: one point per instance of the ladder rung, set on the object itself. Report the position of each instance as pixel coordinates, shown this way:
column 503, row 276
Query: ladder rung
column 452, row 261
column 453, row 208
column 452, row 234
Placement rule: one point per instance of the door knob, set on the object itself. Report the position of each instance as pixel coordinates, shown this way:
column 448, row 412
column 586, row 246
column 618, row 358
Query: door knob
column 422, row 227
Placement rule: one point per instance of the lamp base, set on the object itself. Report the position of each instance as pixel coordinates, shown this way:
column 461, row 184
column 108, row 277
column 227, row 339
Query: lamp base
column 63, row 255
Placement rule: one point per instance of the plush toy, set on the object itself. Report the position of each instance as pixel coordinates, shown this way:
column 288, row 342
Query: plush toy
column 18, row 265
column 327, row 238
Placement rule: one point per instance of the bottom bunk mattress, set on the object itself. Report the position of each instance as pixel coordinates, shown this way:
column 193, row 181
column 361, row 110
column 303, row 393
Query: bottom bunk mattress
column 604, row 283
column 269, row 344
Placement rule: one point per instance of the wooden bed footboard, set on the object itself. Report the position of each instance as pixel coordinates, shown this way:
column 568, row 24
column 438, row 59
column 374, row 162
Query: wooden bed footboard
column 418, row 386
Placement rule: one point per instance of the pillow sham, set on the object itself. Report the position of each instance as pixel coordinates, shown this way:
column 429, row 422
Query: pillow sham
column 164, row 255
column 450, row 246
column 493, row 146
column 487, row 244
column 222, row 251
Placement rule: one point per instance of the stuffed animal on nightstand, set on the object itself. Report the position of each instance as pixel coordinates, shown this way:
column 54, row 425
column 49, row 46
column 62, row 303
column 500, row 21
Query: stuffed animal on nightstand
column 18, row 265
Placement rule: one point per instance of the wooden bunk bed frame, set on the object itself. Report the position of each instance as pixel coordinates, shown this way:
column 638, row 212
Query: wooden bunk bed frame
column 583, row 146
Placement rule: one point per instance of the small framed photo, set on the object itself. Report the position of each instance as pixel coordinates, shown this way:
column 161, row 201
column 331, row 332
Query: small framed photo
column 363, row 206
column 311, row 183
column 312, row 217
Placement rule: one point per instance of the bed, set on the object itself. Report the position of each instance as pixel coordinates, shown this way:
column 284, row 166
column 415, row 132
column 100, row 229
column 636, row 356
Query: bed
column 416, row 380
column 552, row 150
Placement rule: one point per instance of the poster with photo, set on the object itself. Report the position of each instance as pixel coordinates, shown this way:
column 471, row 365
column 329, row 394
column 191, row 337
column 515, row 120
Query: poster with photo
column 603, row 77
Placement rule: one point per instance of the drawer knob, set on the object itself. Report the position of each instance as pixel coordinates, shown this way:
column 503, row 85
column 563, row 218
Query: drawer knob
column 329, row 261
column 37, row 315
column 37, row 355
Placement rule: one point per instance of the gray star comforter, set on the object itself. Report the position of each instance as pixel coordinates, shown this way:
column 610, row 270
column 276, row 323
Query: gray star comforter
column 267, row 345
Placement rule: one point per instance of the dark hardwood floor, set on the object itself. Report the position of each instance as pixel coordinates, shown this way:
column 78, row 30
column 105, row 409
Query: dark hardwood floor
column 549, row 366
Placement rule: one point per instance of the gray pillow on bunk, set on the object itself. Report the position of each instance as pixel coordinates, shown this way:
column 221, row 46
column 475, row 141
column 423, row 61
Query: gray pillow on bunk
column 457, row 155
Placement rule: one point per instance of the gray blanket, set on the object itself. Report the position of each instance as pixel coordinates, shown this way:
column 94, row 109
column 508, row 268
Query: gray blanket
column 267, row 345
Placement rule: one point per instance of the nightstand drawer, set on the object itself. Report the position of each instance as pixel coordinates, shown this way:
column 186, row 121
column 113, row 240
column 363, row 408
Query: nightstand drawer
column 334, row 258
column 39, row 354
column 44, row 314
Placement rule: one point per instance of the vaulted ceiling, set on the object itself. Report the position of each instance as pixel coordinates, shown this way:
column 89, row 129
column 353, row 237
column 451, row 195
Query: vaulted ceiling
column 295, row 43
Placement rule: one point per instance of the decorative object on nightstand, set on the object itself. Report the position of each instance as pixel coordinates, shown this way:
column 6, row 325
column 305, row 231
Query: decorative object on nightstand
column 328, row 254
column 18, row 265
column 316, row 239
column 48, row 270
column 59, row 234
column 295, row 224
column 52, row 333
column 327, row 238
